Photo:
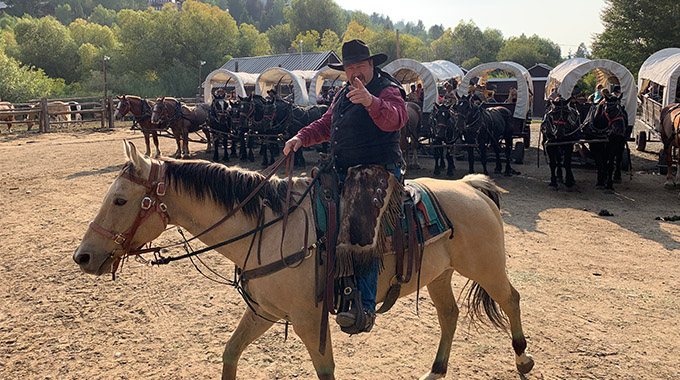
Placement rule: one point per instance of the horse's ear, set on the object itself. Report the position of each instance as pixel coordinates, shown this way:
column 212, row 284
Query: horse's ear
column 132, row 154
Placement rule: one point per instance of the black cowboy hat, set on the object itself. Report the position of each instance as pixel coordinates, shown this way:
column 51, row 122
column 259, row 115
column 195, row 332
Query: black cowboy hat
column 356, row 51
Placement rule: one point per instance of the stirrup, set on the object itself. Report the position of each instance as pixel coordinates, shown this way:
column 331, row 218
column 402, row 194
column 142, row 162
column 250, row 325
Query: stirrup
column 350, row 324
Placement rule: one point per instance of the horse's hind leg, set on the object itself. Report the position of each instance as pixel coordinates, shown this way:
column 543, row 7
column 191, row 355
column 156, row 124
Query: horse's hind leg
column 567, row 151
column 250, row 328
column 447, row 313
column 498, row 287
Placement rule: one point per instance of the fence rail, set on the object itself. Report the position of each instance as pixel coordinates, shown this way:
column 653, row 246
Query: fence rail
column 46, row 112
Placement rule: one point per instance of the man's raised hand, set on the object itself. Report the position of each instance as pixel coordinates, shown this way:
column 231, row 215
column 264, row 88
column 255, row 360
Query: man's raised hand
column 358, row 94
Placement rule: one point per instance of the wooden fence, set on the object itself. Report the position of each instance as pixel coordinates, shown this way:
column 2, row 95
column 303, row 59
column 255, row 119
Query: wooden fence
column 43, row 112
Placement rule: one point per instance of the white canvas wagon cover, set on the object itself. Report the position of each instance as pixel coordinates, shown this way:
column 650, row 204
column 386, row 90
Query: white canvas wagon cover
column 409, row 71
column 663, row 68
column 222, row 76
column 525, row 84
column 269, row 78
column 326, row 73
column 568, row 73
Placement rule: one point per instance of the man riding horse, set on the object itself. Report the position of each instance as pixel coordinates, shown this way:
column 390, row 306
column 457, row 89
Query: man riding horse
column 362, row 125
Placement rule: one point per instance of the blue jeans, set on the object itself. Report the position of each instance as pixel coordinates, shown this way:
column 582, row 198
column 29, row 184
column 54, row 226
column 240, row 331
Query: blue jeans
column 368, row 282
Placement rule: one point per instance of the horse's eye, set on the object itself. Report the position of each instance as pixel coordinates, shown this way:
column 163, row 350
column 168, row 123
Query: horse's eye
column 119, row 201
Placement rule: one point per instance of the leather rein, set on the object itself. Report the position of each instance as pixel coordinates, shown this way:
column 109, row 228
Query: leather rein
column 153, row 203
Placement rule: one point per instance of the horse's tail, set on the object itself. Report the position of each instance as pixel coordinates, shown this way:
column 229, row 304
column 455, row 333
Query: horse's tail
column 486, row 185
column 478, row 299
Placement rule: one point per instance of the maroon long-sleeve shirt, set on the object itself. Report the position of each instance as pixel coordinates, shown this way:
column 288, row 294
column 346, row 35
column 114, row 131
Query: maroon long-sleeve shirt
column 387, row 110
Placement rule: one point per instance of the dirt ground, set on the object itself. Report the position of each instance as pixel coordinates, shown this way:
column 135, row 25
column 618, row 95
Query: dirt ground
column 600, row 295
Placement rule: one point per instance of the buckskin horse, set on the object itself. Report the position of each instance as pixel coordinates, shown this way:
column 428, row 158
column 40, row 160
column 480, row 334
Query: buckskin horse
column 670, row 136
column 149, row 194
column 485, row 127
column 607, row 123
column 560, row 128
column 182, row 120
column 140, row 109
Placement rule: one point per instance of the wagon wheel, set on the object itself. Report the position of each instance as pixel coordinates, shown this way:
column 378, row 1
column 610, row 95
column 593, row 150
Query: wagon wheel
column 641, row 141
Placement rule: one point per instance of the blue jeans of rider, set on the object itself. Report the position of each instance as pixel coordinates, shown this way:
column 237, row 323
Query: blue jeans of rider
column 368, row 282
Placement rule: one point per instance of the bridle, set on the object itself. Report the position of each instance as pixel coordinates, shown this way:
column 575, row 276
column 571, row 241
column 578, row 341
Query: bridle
column 151, row 203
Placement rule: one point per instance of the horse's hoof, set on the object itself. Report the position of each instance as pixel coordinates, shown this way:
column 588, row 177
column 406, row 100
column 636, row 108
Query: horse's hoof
column 609, row 190
column 432, row 376
column 617, row 180
column 527, row 366
column 669, row 185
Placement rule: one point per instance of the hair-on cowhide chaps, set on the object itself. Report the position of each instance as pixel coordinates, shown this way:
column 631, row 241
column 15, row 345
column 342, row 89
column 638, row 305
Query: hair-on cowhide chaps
column 370, row 201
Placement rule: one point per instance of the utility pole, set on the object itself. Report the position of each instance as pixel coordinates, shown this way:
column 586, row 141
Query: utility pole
column 398, row 44
column 300, row 54
column 106, row 58
column 200, row 77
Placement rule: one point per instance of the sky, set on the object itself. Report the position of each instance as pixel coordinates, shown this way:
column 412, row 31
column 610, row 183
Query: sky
column 566, row 23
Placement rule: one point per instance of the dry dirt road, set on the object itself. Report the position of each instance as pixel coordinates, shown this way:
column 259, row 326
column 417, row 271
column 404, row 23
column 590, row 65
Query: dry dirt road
column 600, row 295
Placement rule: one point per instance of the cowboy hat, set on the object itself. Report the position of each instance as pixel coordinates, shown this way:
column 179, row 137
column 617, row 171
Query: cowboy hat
column 356, row 51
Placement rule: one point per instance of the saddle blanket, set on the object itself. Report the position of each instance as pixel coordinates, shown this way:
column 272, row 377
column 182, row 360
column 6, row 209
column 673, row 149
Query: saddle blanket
column 428, row 213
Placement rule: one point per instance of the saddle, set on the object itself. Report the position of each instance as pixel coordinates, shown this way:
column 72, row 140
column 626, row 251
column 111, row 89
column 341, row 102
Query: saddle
column 358, row 221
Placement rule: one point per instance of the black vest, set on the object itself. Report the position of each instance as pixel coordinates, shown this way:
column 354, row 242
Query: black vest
column 355, row 138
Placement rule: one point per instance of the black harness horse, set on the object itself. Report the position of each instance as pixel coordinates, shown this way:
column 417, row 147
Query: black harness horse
column 484, row 127
column 220, row 122
column 560, row 129
column 607, row 121
column 441, row 136
column 248, row 112
column 292, row 118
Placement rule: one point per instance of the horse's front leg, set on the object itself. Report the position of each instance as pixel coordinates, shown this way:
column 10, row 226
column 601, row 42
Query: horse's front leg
column 566, row 151
column 414, row 152
column 307, row 325
column 553, row 157
column 483, row 156
column 216, row 152
column 437, row 153
column 668, row 155
column 449, row 160
column 447, row 312
column 178, row 137
column 154, row 135
column 148, row 143
column 185, row 142
column 250, row 328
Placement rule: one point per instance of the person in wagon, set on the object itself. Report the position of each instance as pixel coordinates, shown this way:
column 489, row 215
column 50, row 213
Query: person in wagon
column 413, row 95
column 362, row 124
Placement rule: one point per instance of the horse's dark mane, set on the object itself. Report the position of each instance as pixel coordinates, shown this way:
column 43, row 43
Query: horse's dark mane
column 227, row 186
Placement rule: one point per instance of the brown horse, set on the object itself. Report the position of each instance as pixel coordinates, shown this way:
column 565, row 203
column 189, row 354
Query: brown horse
column 182, row 120
column 409, row 135
column 140, row 109
column 7, row 106
column 197, row 194
column 670, row 136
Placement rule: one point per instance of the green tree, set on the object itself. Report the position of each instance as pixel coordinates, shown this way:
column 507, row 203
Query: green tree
column 330, row 41
column 303, row 15
column 89, row 59
column 310, row 41
column 636, row 29
column 435, row 31
column 8, row 43
column 467, row 41
column 251, row 42
column 47, row 44
column 280, row 37
column 356, row 31
column 64, row 14
column 273, row 14
column 103, row 16
column 361, row 18
column 21, row 83
column 21, row 7
column 99, row 36
column 528, row 51
column 582, row 51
